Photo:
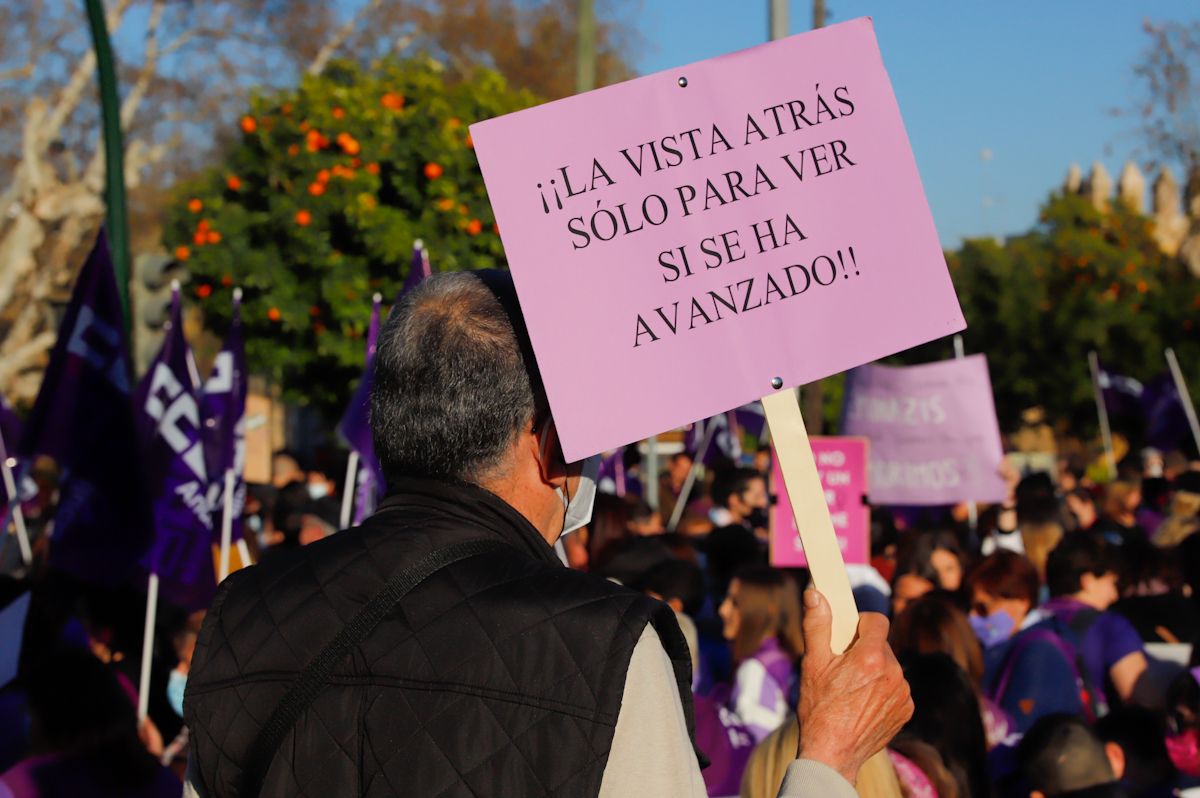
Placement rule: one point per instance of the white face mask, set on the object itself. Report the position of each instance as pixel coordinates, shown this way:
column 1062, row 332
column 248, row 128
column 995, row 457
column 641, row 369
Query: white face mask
column 577, row 508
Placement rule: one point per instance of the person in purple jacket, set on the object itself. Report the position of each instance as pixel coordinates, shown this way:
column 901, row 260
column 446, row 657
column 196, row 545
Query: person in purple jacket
column 761, row 615
column 1081, row 574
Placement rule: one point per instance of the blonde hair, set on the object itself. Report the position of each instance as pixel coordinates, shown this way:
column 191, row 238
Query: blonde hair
column 1183, row 521
column 769, row 762
column 1040, row 539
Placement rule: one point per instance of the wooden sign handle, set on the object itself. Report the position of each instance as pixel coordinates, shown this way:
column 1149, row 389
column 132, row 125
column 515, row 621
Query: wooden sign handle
column 812, row 513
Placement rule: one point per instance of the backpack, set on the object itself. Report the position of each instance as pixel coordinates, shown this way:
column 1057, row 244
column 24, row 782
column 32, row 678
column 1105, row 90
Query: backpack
column 1062, row 637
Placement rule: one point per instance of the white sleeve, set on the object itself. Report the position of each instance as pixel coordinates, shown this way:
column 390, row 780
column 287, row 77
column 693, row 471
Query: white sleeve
column 651, row 751
column 807, row 778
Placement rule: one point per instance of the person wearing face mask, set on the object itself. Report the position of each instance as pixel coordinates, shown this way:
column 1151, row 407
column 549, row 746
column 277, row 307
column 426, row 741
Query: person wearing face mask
column 441, row 647
column 1029, row 670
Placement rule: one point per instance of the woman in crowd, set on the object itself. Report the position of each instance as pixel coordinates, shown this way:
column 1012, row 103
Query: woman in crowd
column 85, row 737
column 934, row 555
column 1184, row 517
column 933, row 624
column 1028, row 670
column 1118, row 523
column 761, row 617
column 947, row 718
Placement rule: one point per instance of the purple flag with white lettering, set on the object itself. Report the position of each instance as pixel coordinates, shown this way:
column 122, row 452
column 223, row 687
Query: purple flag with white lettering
column 168, row 414
column 1166, row 420
column 223, row 411
column 84, row 420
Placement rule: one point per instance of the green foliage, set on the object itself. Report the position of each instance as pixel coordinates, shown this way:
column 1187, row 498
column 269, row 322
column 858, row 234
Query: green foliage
column 317, row 204
column 1082, row 279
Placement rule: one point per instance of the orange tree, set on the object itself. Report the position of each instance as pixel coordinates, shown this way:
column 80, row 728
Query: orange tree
column 318, row 201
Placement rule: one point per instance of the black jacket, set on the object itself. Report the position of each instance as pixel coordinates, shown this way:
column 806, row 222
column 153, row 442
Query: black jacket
column 500, row 675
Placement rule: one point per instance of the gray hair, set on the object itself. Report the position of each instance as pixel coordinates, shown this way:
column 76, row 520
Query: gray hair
column 452, row 392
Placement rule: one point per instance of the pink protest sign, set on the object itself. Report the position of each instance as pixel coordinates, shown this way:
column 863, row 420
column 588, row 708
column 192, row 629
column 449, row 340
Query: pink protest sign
column 933, row 431
column 679, row 240
column 842, row 467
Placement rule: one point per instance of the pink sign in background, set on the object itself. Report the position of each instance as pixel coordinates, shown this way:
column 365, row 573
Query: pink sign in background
column 842, row 467
column 679, row 240
column 933, row 431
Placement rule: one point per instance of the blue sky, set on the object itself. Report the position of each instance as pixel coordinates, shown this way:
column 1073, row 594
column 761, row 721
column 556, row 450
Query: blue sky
column 1034, row 83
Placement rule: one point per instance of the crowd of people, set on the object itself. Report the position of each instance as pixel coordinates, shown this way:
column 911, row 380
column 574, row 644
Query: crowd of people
column 1024, row 636
column 1047, row 641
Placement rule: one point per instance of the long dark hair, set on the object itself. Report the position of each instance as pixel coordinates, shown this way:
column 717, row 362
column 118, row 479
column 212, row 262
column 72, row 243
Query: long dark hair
column 947, row 717
column 80, row 710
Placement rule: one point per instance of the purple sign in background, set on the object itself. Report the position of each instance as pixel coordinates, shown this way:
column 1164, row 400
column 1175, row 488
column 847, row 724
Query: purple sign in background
column 842, row 467
column 933, row 431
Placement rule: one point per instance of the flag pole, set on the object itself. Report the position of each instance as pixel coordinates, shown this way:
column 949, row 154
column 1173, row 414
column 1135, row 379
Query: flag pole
column 1185, row 397
column 226, row 526
column 349, row 488
column 677, row 512
column 14, row 501
column 972, row 507
column 147, row 648
column 1102, row 411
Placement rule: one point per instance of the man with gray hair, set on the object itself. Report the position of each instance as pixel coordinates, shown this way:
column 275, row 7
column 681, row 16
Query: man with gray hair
column 441, row 649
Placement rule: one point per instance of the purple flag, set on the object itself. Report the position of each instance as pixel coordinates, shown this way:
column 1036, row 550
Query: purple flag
column 611, row 478
column 223, row 411
column 419, row 269
column 1166, row 421
column 356, row 423
column 170, row 435
column 1122, row 395
column 84, row 420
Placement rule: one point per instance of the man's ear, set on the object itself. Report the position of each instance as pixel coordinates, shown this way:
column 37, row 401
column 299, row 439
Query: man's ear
column 548, row 452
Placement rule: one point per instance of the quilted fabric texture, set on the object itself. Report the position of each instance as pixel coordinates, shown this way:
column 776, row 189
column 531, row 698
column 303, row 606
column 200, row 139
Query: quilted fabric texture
column 499, row 676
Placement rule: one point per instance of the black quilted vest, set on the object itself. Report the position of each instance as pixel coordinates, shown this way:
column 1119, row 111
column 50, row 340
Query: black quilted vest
column 500, row 675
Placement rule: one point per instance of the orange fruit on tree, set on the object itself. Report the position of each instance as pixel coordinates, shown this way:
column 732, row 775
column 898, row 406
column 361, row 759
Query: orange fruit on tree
column 373, row 168
column 199, row 238
column 213, row 237
column 226, row 280
column 392, row 101
column 433, row 170
column 233, row 183
column 204, row 291
column 194, row 205
column 338, row 113
column 303, row 218
column 182, row 253
column 470, row 142
column 445, row 204
column 294, row 150
column 248, row 124
column 274, row 315
column 323, row 176
column 316, row 189
column 202, row 226
column 474, row 227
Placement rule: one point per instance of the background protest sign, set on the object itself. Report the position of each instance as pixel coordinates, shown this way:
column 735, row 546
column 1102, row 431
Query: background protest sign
column 679, row 240
column 933, row 431
column 842, row 467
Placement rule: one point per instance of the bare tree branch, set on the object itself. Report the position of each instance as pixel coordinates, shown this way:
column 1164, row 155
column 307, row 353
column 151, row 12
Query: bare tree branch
column 339, row 38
